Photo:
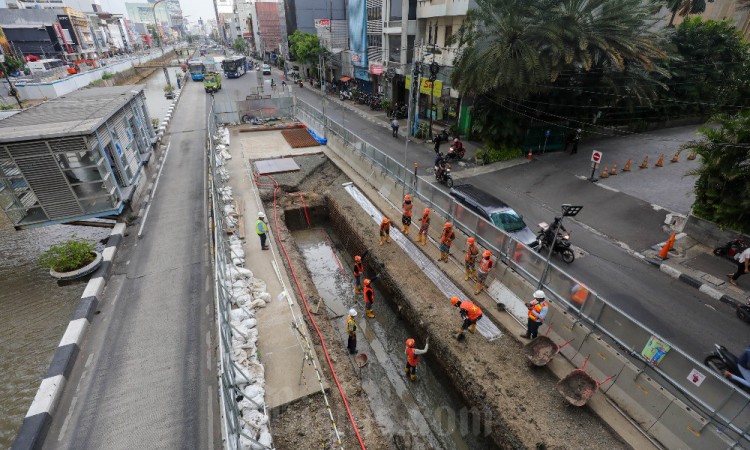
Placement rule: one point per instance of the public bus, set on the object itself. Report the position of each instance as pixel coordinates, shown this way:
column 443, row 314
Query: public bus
column 197, row 69
column 234, row 66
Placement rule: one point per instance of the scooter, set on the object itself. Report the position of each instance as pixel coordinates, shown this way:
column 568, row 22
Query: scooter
column 444, row 177
column 300, row 83
column 722, row 360
column 743, row 311
column 455, row 154
column 562, row 244
column 731, row 248
column 345, row 95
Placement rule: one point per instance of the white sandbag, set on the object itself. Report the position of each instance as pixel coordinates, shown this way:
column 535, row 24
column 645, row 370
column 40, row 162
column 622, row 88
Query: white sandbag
column 244, row 300
column 265, row 438
column 265, row 296
column 259, row 285
column 250, row 323
column 238, row 314
column 238, row 261
column 257, row 303
column 245, row 272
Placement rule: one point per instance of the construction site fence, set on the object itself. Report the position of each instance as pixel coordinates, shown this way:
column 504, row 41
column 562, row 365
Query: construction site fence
column 229, row 390
column 709, row 413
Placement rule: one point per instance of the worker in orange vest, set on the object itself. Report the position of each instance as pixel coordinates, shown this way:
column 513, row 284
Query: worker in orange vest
column 407, row 213
column 369, row 295
column 412, row 357
column 484, row 269
column 537, row 312
column 351, row 330
column 446, row 239
column 359, row 269
column 578, row 293
column 385, row 230
column 424, row 226
column 470, row 259
column 471, row 314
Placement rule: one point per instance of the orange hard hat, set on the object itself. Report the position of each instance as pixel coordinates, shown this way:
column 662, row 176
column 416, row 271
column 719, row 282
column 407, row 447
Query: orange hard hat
column 367, row 281
column 455, row 301
column 487, row 253
column 358, row 258
column 407, row 197
column 448, row 225
column 470, row 240
column 426, row 211
column 386, row 220
column 410, row 342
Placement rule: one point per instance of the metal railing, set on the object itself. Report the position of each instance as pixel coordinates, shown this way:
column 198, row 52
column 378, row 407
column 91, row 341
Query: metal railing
column 726, row 406
column 232, row 429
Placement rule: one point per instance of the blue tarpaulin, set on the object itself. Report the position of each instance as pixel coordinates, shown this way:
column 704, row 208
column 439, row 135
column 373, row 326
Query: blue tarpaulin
column 321, row 140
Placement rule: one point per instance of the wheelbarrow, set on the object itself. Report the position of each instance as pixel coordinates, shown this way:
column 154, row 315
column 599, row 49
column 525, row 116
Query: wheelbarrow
column 361, row 361
column 578, row 386
column 541, row 350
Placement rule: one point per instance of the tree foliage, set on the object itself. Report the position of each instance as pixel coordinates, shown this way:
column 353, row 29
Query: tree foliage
column 13, row 64
column 304, row 47
column 722, row 191
column 239, row 45
column 69, row 255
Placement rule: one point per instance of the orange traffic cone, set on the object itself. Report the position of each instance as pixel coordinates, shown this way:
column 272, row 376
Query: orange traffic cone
column 605, row 172
column 691, row 156
column 644, row 164
column 660, row 162
column 530, row 156
column 676, row 157
column 627, row 167
column 667, row 247
column 613, row 170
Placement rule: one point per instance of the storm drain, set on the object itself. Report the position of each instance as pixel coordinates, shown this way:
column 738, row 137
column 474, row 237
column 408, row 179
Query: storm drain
column 485, row 326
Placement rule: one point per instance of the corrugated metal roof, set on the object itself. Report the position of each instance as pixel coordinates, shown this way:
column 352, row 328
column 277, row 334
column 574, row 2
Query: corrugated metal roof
column 78, row 113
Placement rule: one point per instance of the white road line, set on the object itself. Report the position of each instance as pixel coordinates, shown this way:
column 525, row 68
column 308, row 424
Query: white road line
column 709, row 306
column 153, row 193
column 64, row 427
column 210, row 418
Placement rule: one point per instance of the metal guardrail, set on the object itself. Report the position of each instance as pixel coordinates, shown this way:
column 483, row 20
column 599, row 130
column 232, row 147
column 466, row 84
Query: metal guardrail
column 724, row 405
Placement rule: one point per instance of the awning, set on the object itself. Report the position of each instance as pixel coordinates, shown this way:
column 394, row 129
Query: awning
column 345, row 79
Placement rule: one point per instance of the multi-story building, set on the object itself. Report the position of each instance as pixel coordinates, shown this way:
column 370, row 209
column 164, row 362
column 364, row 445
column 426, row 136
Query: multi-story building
column 271, row 31
column 333, row 35
column 225, row 11
column 34, row 32
column 302, row 14
column 243, row 26
column 77, row 25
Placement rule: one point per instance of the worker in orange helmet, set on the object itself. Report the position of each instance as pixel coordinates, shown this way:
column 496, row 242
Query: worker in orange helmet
column 470, row 259
column 471, row 314
column 484, row 269
column 385, row 230
column 369, row 295
column 359, row 269
column 424, row 226
column 446, row 239
column 412, row 357
column 407, row 213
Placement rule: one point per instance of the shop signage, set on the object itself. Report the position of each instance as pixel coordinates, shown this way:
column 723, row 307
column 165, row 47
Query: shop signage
column 322, row 23
column 376, row 69
column 427, row 85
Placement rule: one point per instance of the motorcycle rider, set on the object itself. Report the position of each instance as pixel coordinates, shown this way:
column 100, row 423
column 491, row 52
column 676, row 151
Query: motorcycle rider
column 549, row 233
column 458, row 146
column 439, row 166
column 743, row 364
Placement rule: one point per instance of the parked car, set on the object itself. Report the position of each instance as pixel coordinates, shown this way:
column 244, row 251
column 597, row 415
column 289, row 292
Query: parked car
column 494, row 210
column 266, row 69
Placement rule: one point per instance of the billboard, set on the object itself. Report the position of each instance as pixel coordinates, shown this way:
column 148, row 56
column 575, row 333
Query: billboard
column 358, row 32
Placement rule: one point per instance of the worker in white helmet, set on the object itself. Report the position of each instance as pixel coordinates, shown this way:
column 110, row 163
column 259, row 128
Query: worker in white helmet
column 351, row 330
column 261, row 227
column 537, row 312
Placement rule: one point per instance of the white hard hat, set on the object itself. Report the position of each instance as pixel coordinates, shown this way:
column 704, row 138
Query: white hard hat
column 353, row 312
column 261, row 214
column 539, row 294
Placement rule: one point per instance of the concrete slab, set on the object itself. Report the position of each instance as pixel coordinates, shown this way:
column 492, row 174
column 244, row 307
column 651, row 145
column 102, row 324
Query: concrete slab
column 288, row 377
column 264, row 145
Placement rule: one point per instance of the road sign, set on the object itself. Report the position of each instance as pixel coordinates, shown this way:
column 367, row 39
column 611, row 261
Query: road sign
column 596, row 156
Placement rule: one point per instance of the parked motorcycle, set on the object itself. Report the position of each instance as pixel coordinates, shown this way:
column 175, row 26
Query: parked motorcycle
column 722, row 360
column 345, row 95
column 731, row 248
column 562, row 244
column 444, row 176
column 398, row 111
column 743, row 311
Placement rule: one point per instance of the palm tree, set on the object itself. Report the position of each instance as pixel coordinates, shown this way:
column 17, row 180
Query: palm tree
column 516, row 47
column 685, row 7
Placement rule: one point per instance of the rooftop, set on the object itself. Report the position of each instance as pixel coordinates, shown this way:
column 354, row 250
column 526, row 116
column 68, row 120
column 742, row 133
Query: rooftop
column 78, row 113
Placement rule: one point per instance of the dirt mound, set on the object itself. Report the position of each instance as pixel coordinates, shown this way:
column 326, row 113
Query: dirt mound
column 541, row 350
column 577, row 387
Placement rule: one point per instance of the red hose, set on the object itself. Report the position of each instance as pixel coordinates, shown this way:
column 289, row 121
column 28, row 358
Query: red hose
column 304, row 208
column 309, row 314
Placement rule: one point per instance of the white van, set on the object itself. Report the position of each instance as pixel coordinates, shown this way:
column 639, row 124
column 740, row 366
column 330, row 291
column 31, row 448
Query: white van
column 266, row 69
column 44, row 65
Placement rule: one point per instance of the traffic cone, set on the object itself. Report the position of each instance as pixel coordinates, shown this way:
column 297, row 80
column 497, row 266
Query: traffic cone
column 676, row 157
column 530, row 156
column 613, row 170
column 660, row 162
column 605, row 173
column 667, row 247
column 691, row 156
column 627, row 167
column 644, row 164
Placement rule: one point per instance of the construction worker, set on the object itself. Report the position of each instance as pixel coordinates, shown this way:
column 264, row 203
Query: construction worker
column 424, row 226
column 351, row 329
column 484, row 269
column 385, row 230
column 470, row 260
column 446, row 240
column 471, row 314
column 261, row 227
column 406, row 216
column 359, row 269
column 369, row 295
column 412, row 357
column 537, row 312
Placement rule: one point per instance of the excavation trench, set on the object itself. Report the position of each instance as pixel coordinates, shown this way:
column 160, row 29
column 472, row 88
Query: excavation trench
column 428, row 413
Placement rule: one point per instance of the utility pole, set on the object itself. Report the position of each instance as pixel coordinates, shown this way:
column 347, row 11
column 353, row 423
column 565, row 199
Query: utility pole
column 11, row 89
column 416, row 70
column 434, row 70
column 156, row 26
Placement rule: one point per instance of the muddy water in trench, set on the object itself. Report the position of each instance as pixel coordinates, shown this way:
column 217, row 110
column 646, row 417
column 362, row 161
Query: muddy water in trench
column 428, row 409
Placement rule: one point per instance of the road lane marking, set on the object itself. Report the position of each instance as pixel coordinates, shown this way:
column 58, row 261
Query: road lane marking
column 153, row 193
column 210, row 418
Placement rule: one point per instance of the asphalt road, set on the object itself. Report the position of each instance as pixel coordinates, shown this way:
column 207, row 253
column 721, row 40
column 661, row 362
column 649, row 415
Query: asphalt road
column 611, row 226
column 146, row 374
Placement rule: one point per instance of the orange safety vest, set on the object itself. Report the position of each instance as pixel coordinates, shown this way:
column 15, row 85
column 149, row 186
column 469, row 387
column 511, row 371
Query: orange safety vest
column 471, row 253
column 447, row 237
column 485, row 265
column 536, row 309
column 407, row 209
column 369, row 295
column 426, row 219
column 358, row 269
column 385, row 226
column 579, row 294
column 411, row 357
column 472, row 311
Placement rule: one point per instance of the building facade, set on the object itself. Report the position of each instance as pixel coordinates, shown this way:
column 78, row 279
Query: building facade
column 271, row 35
column 302, row 14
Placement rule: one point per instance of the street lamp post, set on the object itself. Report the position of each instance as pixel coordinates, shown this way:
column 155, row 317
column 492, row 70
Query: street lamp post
column 156, row 26
column 567, row 211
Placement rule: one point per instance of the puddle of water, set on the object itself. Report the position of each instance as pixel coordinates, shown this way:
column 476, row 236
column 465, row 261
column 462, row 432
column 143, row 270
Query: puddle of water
column 429, row 410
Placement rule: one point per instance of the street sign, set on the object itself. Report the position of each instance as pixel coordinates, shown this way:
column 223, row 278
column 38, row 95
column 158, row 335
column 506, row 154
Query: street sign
column 596, row 156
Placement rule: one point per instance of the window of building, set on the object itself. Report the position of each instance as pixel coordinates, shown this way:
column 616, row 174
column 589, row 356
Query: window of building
column 395, row 10
column 394, row 48
column 448, row 34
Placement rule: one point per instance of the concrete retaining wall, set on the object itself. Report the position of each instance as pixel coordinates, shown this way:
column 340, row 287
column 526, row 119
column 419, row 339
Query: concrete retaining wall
column 709, row 233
